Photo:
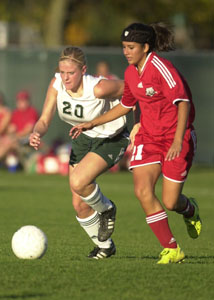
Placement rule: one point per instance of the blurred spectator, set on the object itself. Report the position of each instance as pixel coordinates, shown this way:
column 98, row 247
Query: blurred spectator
column 103, row 69
column 23, row 119
column 5, row 117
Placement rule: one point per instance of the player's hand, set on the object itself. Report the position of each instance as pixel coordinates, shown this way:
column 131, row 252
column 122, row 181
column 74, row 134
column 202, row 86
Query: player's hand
column 34, row 140
column 78, row 129
column 174, row 151
column 133, row 133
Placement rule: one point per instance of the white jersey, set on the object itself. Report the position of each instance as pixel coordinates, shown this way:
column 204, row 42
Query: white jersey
column 84, row 109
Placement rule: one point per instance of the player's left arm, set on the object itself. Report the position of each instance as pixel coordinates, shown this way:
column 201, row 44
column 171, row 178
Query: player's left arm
column 176, row 147
column 109, row 89
column 177, row 92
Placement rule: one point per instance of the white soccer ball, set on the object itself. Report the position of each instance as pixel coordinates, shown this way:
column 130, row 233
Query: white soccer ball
column 29, row 242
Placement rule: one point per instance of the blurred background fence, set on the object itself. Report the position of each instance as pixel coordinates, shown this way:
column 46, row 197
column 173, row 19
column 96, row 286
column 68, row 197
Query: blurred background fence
column 32, row 69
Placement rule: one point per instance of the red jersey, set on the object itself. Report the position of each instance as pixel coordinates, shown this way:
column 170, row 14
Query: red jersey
column 157, row 90
column 22, row 118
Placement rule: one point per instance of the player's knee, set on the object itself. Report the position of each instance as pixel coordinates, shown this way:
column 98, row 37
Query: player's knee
column 76, row 184
column 143, row 193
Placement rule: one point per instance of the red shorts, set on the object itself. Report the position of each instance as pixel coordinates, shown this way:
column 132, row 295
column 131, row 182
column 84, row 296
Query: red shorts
column 148, row 152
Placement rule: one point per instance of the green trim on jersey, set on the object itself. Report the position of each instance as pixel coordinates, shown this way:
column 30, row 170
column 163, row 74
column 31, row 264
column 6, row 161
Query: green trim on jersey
column 111, row 150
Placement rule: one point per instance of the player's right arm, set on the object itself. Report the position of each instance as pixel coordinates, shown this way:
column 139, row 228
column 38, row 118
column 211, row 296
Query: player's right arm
column 48, row 111
column 112, row 114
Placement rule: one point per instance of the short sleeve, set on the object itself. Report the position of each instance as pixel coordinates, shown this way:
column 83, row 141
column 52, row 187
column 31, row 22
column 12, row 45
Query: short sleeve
column 58, row 82
column 175, row 87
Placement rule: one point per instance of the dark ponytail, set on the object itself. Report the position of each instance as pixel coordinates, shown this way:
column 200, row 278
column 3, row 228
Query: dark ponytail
column 164, row 40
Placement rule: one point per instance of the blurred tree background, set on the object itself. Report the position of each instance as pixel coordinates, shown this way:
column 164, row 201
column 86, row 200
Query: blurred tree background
column 51, row 23
column 33, row 33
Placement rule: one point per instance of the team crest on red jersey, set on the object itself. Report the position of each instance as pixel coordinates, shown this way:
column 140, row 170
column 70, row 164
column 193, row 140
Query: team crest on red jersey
column 150, row 91
column 140, row 85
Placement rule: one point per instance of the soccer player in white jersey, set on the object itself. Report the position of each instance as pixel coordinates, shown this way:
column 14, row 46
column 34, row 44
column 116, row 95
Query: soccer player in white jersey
column 164, row 140
column 80, row 97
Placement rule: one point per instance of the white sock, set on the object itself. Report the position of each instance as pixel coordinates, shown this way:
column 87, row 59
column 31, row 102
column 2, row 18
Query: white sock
column 97, row 200
column 91, row 226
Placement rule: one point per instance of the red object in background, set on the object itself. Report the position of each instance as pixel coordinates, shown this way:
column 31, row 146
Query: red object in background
column 115, row 168
column 51, row 164
column 47, row 164
column 63, row 168
column 23, row 95
column 22, row 118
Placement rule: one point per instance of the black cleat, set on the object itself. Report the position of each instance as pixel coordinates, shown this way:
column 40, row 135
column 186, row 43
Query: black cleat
column 107, row 223
column 100, row 253
column 94, row 252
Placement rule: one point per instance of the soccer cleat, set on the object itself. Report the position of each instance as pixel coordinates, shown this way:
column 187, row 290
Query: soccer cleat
column 94, row 252
column 107, row 223
column 194, row 223
column 171, row 255
column 100, row 253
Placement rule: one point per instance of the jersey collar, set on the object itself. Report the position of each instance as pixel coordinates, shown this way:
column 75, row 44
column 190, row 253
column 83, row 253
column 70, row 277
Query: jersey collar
column 144, row 65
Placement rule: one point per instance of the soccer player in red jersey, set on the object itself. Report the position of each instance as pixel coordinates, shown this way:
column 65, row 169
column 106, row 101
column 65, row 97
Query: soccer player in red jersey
column 164, row 141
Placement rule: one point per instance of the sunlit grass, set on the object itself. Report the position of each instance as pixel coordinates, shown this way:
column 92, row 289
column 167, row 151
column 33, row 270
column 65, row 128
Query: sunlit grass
column 65, row 273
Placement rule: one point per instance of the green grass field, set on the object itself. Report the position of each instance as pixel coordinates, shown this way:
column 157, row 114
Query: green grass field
column 65, row 273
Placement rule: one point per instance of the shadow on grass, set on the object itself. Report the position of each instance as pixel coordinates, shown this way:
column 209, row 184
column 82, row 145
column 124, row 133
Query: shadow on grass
column 135, row 257
column 188, row 259
column 199, row 259
column 22, row 296
column 16, row 188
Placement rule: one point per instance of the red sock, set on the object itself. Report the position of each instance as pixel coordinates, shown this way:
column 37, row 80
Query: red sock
column 158, row 222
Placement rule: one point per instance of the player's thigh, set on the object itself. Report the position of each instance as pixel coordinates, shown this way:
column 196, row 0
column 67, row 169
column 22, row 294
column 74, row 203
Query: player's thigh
column 171, row 192
column 88, row 169
column 145, row 178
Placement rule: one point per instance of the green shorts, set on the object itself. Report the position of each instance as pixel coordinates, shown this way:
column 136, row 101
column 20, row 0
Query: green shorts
column 110, row 149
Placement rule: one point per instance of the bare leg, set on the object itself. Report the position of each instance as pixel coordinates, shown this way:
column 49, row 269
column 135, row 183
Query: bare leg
column 171, row 195
column 82, row 182
column 88, row 218
column 145, row 179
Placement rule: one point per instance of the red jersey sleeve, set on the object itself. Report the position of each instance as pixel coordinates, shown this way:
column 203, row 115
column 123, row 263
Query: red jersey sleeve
column 175, row 87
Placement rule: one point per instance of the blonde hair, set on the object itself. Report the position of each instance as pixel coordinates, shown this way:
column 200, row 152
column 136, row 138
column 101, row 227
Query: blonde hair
column 75, row 54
